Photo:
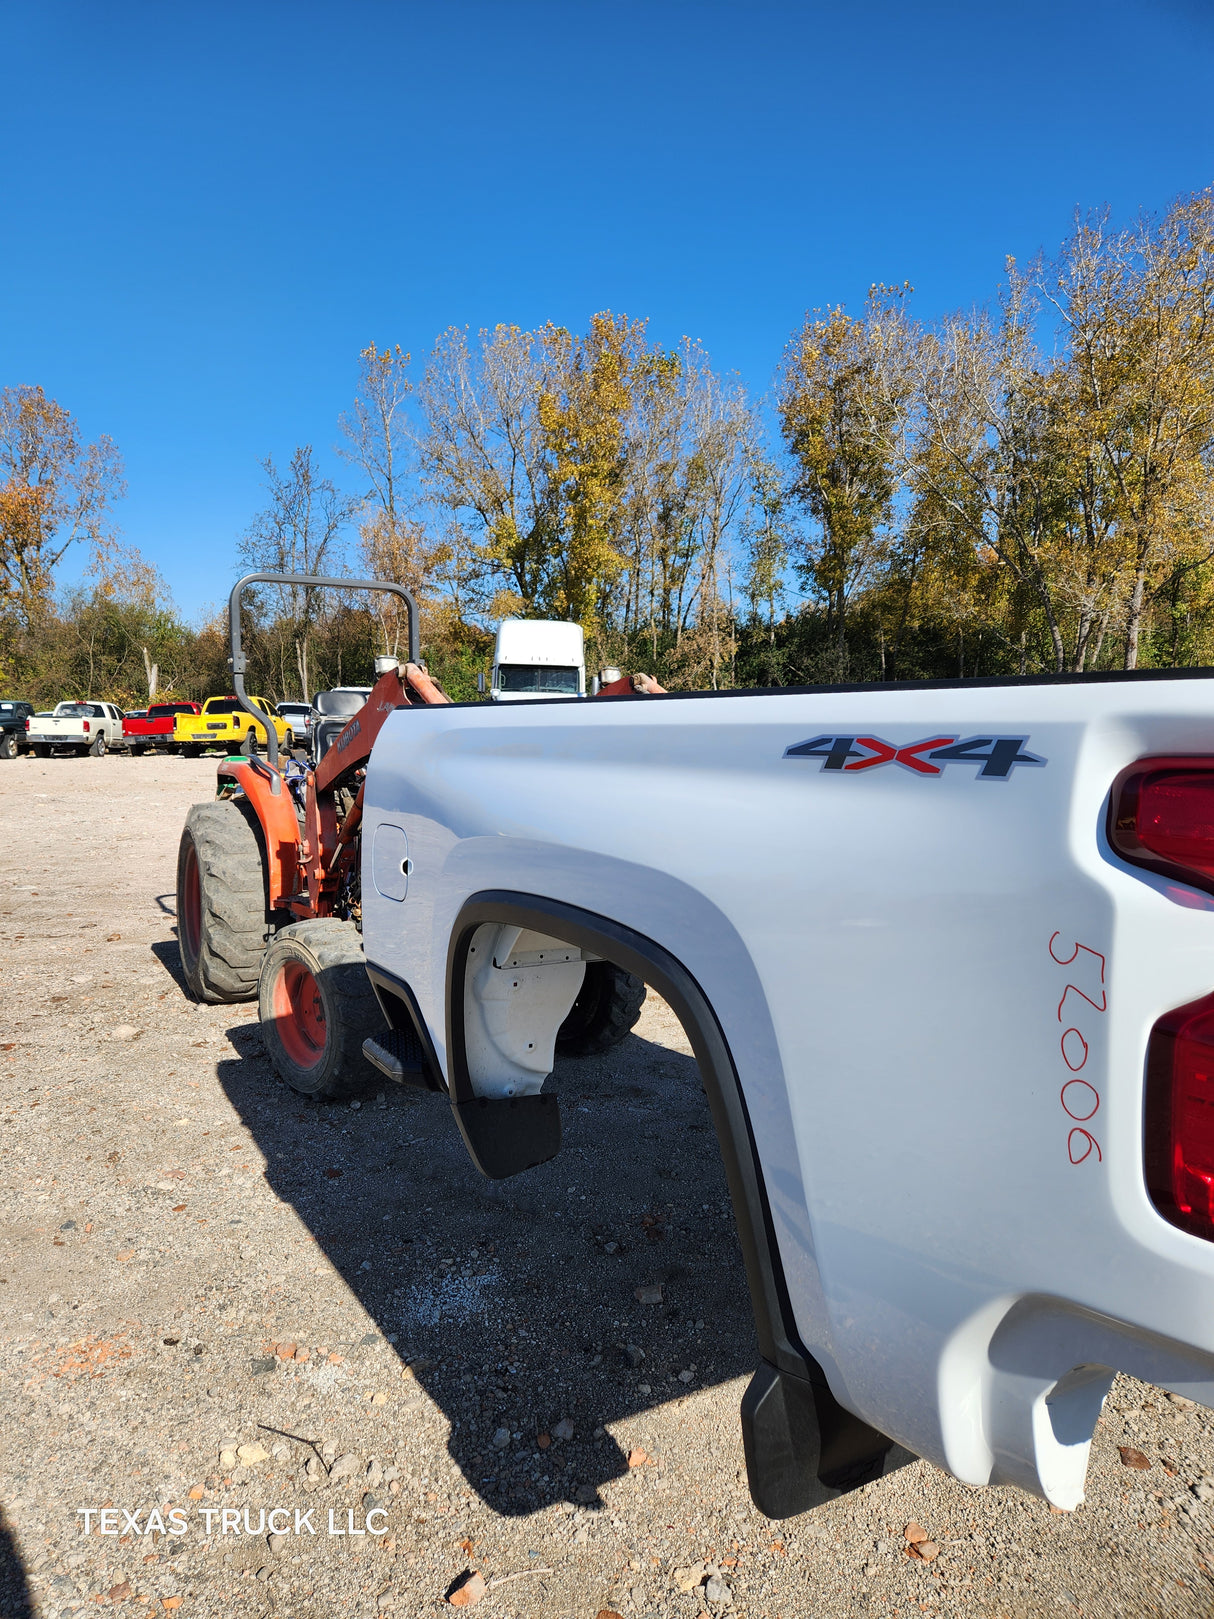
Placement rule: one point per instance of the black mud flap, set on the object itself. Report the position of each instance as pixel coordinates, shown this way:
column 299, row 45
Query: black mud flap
column 803, row 1448
column 509, row 1134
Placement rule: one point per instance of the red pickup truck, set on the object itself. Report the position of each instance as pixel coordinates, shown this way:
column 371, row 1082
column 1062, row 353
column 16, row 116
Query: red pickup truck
column 155, row 728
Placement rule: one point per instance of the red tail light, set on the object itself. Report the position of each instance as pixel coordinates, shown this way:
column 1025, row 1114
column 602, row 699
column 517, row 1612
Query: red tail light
column 27, row 725
column 1180, row 1117
column 86, row 725
column 1161, row 816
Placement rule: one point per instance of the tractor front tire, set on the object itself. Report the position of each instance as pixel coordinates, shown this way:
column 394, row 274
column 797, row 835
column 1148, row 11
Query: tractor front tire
column 317, row 1007
column 607, row 1007
column 223, row 914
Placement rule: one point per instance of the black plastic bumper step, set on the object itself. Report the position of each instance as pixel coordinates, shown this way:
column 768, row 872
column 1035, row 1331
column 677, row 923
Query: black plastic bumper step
column 397, row 1053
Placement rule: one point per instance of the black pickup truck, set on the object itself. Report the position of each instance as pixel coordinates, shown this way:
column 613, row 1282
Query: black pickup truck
column 13, row 715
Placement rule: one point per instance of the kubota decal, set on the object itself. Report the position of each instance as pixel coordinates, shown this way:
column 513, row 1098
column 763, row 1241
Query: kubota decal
column 997, row 755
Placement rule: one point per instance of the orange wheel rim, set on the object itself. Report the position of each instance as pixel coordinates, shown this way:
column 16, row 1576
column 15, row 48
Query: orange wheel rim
column 190, row 920
column 299, row 1015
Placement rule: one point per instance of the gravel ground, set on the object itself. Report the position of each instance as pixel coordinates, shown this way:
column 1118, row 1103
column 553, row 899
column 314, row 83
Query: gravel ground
column 222, row 1300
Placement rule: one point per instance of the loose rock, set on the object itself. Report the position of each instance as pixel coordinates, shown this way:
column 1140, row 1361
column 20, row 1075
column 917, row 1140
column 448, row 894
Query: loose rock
column 689, row 1579
column 345, row 1466
column 470, row 1590
column 1132, row 1458
column 563, row 1429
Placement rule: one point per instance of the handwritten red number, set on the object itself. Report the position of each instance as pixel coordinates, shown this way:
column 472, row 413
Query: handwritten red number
column 1104, row 1000
column 1077, row 1095
column 1091, row 1140
column 1084, row 1095
column 1074, row 1066
column 1065, row 961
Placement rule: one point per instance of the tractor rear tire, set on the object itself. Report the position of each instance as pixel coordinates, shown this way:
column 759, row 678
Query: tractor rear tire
column 317, row 1007
column 223, row 913
column 607, row 1007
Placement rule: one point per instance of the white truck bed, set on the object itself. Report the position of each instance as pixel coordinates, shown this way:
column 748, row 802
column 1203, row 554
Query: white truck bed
column 920, row 984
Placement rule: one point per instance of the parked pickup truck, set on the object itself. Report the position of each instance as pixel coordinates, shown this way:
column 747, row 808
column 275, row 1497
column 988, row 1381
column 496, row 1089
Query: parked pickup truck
column 155, row 728
column 223, row 723
column 81, row 727
column 13, row 715
column 945, row 955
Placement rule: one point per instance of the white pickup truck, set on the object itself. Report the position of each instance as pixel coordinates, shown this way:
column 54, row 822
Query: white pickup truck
column 81, row 727
column 945, row 954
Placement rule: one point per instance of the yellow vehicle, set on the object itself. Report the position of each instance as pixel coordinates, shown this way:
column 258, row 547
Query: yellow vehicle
column 224, row 724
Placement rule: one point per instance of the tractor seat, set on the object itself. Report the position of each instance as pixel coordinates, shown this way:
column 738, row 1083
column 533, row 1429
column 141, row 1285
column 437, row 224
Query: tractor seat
column 331, row 712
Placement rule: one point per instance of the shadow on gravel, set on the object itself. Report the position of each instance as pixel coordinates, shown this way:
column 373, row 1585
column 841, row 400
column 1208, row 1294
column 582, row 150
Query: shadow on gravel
column 517, row 1301
column 15, row 1599
column 169, row 957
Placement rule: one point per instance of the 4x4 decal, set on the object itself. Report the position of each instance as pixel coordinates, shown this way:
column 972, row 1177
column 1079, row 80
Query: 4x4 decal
column 997, row 755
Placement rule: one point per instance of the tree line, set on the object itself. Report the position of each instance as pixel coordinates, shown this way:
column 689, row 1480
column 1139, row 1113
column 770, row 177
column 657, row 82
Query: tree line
column 1021, row 488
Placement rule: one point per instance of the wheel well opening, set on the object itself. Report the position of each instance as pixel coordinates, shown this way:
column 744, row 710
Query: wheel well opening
column 802, row 1446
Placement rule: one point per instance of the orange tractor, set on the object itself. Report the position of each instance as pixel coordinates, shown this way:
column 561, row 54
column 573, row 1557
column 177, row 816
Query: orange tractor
column 269, row 889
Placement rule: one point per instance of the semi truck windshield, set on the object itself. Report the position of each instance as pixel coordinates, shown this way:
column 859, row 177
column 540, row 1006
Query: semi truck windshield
column 554, row 679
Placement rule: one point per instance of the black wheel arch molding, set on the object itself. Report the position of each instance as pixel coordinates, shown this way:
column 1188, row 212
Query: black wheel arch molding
column 802, row 1446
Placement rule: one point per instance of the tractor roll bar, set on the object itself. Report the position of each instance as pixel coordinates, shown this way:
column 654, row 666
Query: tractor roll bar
column 237, row 659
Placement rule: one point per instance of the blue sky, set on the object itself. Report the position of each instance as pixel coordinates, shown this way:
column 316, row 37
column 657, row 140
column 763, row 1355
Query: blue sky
column 209, row 209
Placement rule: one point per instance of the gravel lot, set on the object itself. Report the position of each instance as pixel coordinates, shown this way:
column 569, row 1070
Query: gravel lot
column 220, row 1299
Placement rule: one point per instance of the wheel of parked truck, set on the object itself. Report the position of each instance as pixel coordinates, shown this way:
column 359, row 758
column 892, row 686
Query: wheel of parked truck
column 191, row 750
column 8, row 746
column 608, row 1005
column 317, row 1007
column 42, row 750
column 223, row 915
column 97, row 746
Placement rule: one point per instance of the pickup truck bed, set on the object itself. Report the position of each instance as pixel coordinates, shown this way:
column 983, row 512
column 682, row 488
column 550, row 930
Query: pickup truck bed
column 155, row 729
column 925, row 990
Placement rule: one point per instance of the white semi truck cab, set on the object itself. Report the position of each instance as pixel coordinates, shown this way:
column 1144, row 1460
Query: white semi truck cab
column 537, row 658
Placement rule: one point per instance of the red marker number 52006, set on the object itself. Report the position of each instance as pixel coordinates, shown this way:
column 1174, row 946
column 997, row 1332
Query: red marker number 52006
column 1079, row 1097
